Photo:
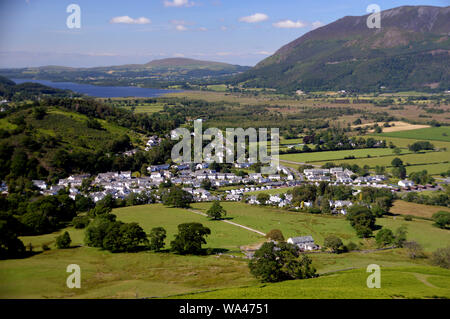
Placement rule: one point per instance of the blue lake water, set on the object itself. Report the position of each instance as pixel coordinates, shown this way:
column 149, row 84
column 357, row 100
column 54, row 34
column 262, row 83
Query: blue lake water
column 101, row 91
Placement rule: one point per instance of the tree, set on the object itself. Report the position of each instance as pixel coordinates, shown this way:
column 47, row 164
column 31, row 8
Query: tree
column 206, row 184
column 80, row 222
column 397, row 162
column 216, row 211
column 384, row 237
column 441, row 257
column 124, row 237
column 399, row 172
column 177, row 197
column 63, row 241
column 10, row 245
column 157, row 237
column 275, row 234
column 362, row 220
column 276, row 262
column 334, row 243
column 400, row 236
column 414, row 249
column 190, row 238
column 441, row 219
column 262, row 198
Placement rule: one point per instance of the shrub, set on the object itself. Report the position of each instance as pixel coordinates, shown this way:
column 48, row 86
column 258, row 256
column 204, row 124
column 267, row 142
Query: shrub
column 351, row 246
column 275, row 234
column 441, row 257
column 414, row 249
column 408, row 218
column 45, row 247
column 441, row 219
column 80, row 222
column 384, row 237
column 334, row 243
column 63, row 241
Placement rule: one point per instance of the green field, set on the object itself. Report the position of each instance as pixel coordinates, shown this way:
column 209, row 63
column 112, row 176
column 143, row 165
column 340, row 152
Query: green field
column 148, row 274
column 320, row 226
column 441, row 133
column 337, row 155
column 398, row 282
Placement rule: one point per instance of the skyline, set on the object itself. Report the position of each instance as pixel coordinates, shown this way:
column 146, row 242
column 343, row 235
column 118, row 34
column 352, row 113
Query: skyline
column 34, row 33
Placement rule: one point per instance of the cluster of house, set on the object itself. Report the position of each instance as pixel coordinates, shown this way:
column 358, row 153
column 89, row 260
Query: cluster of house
column 122, row 184
column 342, row 176
column 152, row 142
column 285, row 200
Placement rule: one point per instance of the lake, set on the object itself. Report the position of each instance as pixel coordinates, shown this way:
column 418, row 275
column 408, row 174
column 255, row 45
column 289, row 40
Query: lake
column 101, row 91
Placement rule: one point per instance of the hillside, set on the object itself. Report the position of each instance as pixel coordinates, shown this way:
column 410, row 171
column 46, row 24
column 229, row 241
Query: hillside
column 11, row 91
column 411, row 51
column 156, row 73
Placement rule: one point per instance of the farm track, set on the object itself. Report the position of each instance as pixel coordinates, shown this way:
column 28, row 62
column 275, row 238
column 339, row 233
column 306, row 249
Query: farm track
column 231, row 223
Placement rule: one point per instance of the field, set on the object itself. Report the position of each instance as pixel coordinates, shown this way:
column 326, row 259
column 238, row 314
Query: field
column 397, row 127
column 441, row 133
column 147, row 274
column 337, row 155
column 402, row 207
column 320, row 226
column 398, row 282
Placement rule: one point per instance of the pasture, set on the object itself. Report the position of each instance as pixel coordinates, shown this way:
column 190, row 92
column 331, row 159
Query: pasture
column 441, row 133
column 166, row 275
column 396, row 282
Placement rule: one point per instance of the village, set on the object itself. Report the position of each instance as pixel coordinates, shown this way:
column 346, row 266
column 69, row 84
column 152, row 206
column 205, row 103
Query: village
column 192, row 178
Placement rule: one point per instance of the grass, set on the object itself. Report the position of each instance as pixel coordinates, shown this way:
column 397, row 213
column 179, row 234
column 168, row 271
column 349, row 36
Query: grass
column 163, row 275
column 337, row 155
column 398, row 282
column 223, row 235
column 441, row 133
column 402, row 207
column 320, row 226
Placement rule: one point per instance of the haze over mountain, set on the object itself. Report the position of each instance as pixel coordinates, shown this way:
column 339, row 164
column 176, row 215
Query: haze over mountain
column 164, row 70
column 411, row 50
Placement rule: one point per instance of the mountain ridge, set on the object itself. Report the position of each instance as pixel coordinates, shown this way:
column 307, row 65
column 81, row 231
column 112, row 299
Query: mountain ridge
column 347, row 47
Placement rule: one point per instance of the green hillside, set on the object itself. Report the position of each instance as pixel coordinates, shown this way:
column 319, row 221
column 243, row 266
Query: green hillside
column 409, row 52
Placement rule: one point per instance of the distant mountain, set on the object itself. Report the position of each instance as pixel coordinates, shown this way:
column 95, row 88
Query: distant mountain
column 153, row 73
column 411, row 51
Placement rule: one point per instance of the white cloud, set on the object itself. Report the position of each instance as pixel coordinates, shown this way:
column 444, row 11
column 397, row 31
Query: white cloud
column 257, row 17
column 202, row 29
column 178, row 55
column 289, row 24
column 317, row 24
column 128, row 20
column 223, row 28
column 178, row 3
column 180, row 27
column 264, row 53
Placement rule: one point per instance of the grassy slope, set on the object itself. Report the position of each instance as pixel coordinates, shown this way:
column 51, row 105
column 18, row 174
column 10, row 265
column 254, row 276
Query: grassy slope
column 320, row 226
column 405, row 208
column 398, row 282
column 146, row 274
column 432, row 133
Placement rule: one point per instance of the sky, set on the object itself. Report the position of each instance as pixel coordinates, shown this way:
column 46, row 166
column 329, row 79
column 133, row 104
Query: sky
column 114, row 32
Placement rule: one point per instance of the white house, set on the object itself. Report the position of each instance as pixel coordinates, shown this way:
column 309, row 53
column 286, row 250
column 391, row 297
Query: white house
column 405, row 183
column 303, row 242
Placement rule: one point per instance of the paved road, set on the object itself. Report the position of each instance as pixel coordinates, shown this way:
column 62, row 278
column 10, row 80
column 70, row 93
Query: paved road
column 231, row 223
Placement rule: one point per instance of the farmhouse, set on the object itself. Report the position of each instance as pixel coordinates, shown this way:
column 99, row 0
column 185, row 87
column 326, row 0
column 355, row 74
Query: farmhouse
column 405, row 183
column 303, row 242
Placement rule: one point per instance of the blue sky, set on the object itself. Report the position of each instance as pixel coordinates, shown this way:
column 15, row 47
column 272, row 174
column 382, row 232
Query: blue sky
column 34, row 32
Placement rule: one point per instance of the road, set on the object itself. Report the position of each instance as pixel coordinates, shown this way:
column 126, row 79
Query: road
column 231, row 223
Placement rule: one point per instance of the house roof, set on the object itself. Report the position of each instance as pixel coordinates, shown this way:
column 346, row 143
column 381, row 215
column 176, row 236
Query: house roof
column 302, row 239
